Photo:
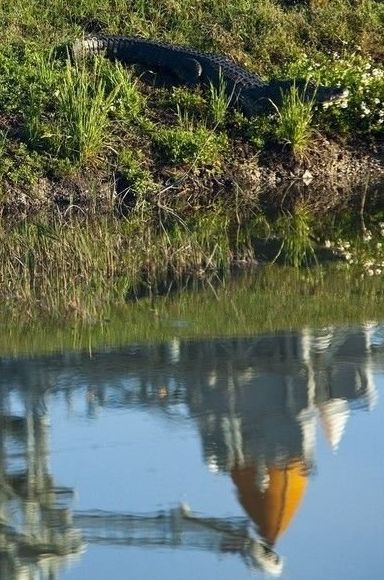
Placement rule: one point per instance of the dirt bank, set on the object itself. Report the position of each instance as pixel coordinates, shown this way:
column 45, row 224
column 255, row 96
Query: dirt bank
column 328, row 178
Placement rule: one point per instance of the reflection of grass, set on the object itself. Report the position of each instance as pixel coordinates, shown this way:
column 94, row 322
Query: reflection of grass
column 243, row 306
column 295, row 230
column 79, row 267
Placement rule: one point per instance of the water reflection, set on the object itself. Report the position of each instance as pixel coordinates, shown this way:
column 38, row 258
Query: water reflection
column 256, row 403
column 36, row 530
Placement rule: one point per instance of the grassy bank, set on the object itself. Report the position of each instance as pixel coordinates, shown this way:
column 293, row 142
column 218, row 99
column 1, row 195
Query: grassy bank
column 72, row 132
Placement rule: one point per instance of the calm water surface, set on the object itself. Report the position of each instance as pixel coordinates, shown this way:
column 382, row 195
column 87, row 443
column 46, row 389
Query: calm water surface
column 216, row 458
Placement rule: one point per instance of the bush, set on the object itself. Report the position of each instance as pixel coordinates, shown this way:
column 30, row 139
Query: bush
column 190, row 143
column 84, row 107
column 131, row 167
column 294, row 119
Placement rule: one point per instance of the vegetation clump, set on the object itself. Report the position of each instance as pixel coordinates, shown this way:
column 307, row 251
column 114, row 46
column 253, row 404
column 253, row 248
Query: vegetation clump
column 189, row 142
column 132, row 169
column 294, row 121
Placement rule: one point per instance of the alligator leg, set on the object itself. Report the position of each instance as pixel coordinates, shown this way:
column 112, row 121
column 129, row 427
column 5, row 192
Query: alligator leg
column 188, row 71
column 185, row 72
column 158, row 77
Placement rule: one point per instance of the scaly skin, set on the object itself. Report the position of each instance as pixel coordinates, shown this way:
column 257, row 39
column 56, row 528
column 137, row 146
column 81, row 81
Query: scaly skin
column 192, row 67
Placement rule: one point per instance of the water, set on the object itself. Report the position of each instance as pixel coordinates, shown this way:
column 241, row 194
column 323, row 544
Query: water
column 235, row 457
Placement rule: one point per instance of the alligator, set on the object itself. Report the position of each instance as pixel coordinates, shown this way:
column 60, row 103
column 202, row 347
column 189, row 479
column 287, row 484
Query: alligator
column 191, row 67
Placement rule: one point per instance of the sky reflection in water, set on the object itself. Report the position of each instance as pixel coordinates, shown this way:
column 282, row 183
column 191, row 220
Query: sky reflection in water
column 220, row 458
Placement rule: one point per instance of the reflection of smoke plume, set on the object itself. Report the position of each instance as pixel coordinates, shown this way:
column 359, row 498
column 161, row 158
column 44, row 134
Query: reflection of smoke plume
column 334, row 416
column 232, row 431
column 265, row 558
column 371, row 390
column 307, row 420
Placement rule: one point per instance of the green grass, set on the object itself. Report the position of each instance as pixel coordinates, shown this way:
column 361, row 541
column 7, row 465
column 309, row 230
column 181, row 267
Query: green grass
column 190, row 142
column 266, row 35
column 219, row 102
column 128, row 103
column 84, row 106
column 131, row 167
column 294, row 121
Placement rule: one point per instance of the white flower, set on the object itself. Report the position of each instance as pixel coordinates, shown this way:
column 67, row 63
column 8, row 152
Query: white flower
column 377, row 73
column 327, row 243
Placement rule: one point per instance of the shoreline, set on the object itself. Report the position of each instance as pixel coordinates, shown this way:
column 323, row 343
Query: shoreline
column 271, row 178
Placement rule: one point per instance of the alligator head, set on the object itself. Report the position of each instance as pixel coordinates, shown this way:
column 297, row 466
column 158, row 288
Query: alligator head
column 309, row 91
column 255, row 99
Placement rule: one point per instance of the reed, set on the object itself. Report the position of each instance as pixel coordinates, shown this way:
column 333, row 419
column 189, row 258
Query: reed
column 219, row 102
column 294, row 117
column 84, row 108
